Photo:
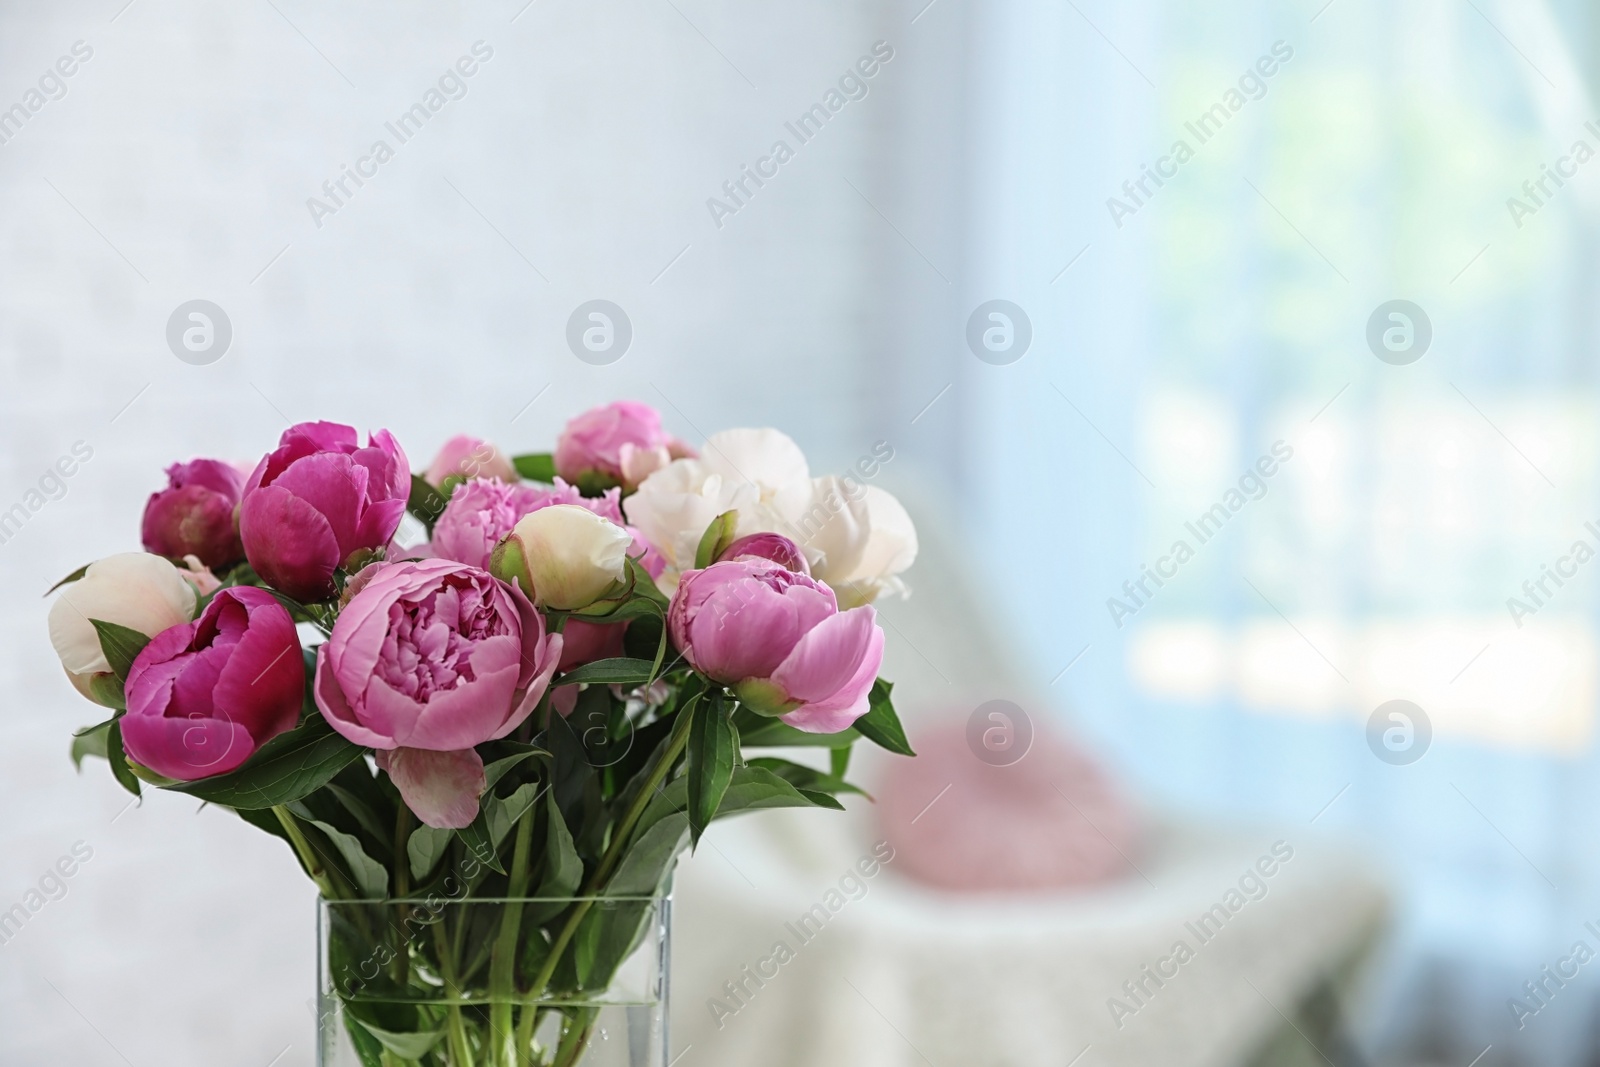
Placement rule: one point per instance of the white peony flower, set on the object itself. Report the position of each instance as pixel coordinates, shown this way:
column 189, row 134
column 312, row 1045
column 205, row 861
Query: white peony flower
column 569, row 556
column 673, row 507
column 891, row 548
column 138, row 590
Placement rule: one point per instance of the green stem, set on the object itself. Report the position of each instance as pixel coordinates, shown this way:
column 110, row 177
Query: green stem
column 669, row 756
column 527, row 1024
column 308, row 855
column 456, row 1035
column 575, row 1039
column 503, row 959
column 402, row 887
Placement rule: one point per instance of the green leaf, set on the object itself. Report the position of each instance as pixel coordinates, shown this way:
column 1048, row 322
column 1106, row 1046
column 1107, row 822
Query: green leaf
column 120, row 644
column 366, row 873
column 288, row 767
column 644, row 587
column 618, row 671
column 368, row 1047
column 536, row 466
column 751, row 789
column 594, row 483
column 563, row 868
column 608, row 936
column 425, row 502
column 637, row 608
column 644, row 868
column 756, row 731
column 359, row 809
column 496, row 770
column 76, row 575
column 648, row 862
column 806, row 779
column 718, row 536
column 478, row 841
column 710, row 765
column 90, row 741
column 425, row 847
column 107, row 690
column 822, row 800
column 267, row 820
column 405, row 1046
column 839, row 762
column 118, row 758
column 504, row 812
column 146, row 775
column 881, row 725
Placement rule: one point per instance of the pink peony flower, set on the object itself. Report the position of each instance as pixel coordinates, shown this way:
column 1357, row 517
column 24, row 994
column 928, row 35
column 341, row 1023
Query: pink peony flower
column 469, row 457
column 482, row 512
column 779, row 639
column 195, row 514
column 316, row 500
column 428, row 660
column 204, row 695
column 621, row 443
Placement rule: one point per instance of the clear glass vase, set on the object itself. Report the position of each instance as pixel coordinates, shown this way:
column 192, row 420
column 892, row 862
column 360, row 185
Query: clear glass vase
column 537, row 982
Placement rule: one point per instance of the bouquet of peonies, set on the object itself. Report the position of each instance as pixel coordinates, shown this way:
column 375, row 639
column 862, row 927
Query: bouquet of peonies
column 537, row 706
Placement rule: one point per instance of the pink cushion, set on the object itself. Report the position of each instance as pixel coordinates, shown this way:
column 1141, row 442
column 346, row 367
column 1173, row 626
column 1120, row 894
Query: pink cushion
column 1052, row 820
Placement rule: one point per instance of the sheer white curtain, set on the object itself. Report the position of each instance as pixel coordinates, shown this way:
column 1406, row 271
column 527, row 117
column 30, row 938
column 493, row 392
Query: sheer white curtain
column 1363, row 153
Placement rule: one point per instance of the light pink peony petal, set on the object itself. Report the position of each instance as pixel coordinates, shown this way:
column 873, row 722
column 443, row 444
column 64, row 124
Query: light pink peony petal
column 832, row 670
column 336, row 709
column 468, row 714
column 441, row 788
column 545, row 657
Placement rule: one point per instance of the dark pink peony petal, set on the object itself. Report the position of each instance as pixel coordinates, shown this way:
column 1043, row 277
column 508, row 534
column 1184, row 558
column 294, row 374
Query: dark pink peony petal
column 289, row 543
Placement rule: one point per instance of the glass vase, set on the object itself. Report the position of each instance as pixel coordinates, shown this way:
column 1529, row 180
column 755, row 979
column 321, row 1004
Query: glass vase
column 536, row 982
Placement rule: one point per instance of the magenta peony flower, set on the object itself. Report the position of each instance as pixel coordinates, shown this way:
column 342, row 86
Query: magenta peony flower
column 776, row 547
column 469, row 457
column 195, row 514
column 427, row 660
column 618, row 443
column 482, row 512
column 779, row 638
column 204, row 695
column 317, row 500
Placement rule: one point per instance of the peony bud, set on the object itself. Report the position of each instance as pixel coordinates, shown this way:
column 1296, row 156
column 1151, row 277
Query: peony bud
column 319, row 499
column 779, row 639
column 134, row 589
column 469, row 457
column 196, row 514
column 776, row 547
column 621, row 443
column 565, row 556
